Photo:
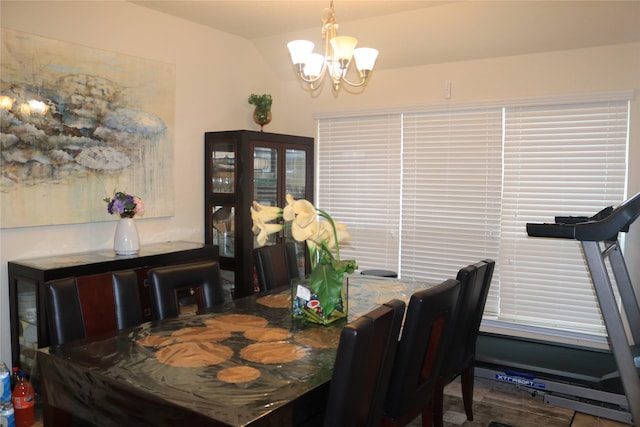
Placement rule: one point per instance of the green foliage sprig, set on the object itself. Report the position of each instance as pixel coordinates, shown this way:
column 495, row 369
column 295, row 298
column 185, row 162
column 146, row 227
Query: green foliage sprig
column 262, row 102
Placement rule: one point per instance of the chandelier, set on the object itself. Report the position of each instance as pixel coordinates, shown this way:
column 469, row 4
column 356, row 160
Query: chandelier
column 338, row 52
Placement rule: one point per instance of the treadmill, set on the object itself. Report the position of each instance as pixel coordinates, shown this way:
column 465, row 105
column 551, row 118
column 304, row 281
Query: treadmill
column 604, row 383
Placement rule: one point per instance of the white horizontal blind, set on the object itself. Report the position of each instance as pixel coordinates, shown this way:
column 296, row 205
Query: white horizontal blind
column 566, row 160
column 451, row 193
column 359, row 181
column 466, row 185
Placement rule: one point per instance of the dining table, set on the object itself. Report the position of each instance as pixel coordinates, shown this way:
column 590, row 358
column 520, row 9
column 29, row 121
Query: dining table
column 243, row 363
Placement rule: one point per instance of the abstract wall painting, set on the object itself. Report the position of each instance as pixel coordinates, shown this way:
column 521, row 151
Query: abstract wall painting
column 77, row 124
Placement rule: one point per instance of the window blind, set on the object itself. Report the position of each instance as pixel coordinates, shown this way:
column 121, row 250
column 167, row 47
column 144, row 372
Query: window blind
column 428, row 192
column 567, row 160
column 359, row 164
column 452, row 181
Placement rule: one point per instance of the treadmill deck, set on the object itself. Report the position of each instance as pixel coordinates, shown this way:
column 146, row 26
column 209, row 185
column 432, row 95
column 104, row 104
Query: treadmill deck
column 579, row 378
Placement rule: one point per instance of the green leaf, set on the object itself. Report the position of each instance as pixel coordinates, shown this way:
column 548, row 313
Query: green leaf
column 326, row 282
column 347, row 266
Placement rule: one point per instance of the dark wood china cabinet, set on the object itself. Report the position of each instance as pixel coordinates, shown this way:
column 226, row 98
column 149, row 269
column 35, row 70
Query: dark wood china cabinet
column 243, row 166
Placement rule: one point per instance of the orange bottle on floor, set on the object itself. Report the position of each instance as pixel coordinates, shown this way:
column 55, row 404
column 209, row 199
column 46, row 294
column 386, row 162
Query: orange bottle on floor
column 23, row 398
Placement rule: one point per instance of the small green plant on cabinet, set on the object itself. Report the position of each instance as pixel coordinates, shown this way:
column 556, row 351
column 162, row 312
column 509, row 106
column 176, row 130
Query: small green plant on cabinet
column 262, row 102
column 262, row 112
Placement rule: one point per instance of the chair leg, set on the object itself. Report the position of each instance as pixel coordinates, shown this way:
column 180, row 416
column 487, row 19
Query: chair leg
column 466, row 379
column 427, row 415
column 438, row 404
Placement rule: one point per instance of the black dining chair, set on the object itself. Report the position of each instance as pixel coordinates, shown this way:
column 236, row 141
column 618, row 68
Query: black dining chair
column 126, row 298
column 64, row 311
column 276, row 265
column 362, row 367
column 169, row 284
column 66, row 317
column 423, row 346
column 475, row 281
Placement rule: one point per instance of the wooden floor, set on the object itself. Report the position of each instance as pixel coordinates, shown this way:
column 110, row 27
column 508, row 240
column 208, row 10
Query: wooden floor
column 517, row 407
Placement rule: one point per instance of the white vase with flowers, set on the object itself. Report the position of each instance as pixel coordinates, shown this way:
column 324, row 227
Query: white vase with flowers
column 125, row 239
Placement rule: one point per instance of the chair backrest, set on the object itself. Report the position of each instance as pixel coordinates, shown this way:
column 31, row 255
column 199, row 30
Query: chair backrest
column 201, row 278
column 64, row 311
column 424, row 343
column 484, row 292
column 474, row 281
column 276, row 265
column 290, row 249
column 362, row 368
column 126, row 298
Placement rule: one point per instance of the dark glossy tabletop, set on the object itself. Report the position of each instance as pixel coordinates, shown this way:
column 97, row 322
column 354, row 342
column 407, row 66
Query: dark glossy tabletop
column 260, row 367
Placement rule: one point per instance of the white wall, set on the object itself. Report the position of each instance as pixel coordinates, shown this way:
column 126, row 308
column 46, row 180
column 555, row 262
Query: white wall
column 215, row 74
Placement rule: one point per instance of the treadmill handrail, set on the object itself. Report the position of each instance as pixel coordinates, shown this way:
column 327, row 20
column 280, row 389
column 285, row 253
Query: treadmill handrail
column 604, row 226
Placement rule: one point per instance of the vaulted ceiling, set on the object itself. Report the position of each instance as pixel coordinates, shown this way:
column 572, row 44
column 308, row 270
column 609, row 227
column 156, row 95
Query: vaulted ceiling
column 410, row 33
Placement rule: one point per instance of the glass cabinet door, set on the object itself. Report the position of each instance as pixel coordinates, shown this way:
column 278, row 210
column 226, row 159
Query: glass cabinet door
column 265, row 181
column 223, row 222
column 27, row 322
column 296, row 173
column 265, row 176
column 295, row 184
column 224, row 168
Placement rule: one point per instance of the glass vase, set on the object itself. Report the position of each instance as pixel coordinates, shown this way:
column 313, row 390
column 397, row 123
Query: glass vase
column 261, row 117
column 321, row 298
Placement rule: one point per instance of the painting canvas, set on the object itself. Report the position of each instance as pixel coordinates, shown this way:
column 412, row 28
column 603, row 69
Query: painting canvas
column 78, row 124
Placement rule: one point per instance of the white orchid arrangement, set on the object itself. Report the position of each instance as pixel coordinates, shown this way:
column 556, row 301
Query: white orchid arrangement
column 322, row 235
